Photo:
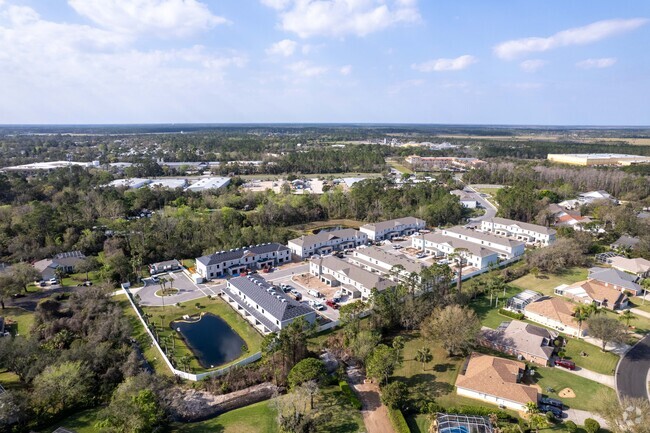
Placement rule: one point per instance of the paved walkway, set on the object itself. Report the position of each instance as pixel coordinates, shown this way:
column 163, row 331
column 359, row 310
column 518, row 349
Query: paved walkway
column 632, row 371
column 605, row 379
column 375, row 414
column 579, row 417
column 640, row 312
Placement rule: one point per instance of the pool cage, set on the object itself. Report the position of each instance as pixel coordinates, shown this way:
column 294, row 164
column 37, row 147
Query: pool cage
column 519, row 301
column 456, row 423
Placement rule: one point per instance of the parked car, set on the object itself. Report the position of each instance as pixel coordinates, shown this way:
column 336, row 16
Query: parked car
column 331, row 303
column 319, row 307
column 551, row 402
column 296, row 294
column 420, row 255
column 397, row 246
column 557, row 413
column 54, row 281
column 570, row 365
column 285, row 288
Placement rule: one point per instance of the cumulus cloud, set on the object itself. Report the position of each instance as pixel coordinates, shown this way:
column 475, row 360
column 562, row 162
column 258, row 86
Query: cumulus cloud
column 338, row 18
column 439, row 65
column 345, row 70
column 575, row 36
column 531, row 65
column 161, row 17
column 306, row 69
column 596, row 63
column 285, row 48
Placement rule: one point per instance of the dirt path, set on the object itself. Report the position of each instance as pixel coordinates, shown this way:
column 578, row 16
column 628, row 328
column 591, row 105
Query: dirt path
column 375, row 414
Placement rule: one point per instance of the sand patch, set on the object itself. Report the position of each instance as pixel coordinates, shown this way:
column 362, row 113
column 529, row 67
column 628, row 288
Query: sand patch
column 567, row 393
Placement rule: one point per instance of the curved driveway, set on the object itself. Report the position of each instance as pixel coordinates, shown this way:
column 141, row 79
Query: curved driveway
column 632, row 371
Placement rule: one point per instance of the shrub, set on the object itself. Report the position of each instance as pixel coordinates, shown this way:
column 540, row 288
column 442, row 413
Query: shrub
column 394, row 395
column 550, row 417
column 511, row 314
column 591, row 425
column 398, row 421
column 354, row 400
column 570, row 427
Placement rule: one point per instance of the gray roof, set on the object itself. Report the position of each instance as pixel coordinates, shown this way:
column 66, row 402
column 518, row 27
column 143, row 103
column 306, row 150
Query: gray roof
column 526, row 226
column 368, row 279
column 616, row 277
column 488, row 237
column 626, row 242
column 398, row 259
column 383, row 225
column 224, row 256
column 256, row 288
column 306, row 241
column 522, row 337
column 475, row 249
column 463, row 195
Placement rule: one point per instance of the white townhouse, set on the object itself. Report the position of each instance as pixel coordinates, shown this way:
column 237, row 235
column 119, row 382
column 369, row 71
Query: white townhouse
column 392, row 228
column 352, row 280
column 256, row 300
column 507, row 248
column 236, row 261
column 325, row 242
column 375, row 259
column 526, row 232
column 440, row 245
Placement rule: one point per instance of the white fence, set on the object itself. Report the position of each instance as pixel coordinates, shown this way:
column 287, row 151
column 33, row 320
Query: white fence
column 185, row 375
column 484, row 270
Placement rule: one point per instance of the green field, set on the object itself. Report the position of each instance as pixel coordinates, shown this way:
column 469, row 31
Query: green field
column 256, row 418
column 545, row 283
column 75, row 279
column 398, row 166
column 595, row 359
column 10, row 380
column 162, row 318
column 24, row 320
column 81, row 422
column 489, row 314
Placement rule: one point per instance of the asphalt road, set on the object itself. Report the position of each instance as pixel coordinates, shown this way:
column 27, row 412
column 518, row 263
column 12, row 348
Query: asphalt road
column 632, row 371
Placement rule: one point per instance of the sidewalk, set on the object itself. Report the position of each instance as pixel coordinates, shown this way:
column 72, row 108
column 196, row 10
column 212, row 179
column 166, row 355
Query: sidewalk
column 640, row 312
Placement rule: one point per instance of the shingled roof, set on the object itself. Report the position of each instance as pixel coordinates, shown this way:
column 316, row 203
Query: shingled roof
column 224, row 256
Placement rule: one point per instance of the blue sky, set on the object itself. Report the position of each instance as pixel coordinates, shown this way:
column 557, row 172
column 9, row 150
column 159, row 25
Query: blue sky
column 563, row 62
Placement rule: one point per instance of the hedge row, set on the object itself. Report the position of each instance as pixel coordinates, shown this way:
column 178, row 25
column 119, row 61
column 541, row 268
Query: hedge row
column 511, row 314
column 354, row 400
column 397, row 419
column 433, row 407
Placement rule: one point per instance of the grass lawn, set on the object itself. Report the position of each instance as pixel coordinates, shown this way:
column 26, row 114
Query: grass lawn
column 399, row 167
column 162, row 317
column 596, row 360
column 81, row 422
column 637, row 302
column 9, row 380
column 310, row 227
column 74, row 279
column 489, row 314
column 256, row 418
column 24, row 319
column 586, row 390
column 545, row 283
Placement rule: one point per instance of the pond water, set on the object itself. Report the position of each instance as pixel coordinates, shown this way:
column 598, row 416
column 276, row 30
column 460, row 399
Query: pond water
column 329, row 229
column 211, row 340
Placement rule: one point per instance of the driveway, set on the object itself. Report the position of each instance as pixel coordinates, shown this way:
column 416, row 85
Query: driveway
column 605, row 379
column 375, row 414
column 632, row 371
column 579, row 417
column 490, row 209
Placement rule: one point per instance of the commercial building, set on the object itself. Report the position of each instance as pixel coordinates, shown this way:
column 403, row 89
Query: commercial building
column 353, row 280
column 507, row 248
column 167, row 183
column 555, row 313
column 521, row 339
column 327, row 241
column 521, row 231
column 208, row 183
column 236, row 261
column 433, row 163
column 497, row 381
column 257, row 301
column 440, row 245
column 377, row 260
column 131, row 183
column 380, row 231
column 588, row 159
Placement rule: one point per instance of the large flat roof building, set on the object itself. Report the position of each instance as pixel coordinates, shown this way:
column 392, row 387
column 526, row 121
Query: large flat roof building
column 587, row 159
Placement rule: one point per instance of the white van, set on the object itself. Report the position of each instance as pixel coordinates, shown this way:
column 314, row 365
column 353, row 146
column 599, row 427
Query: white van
column 314, row 293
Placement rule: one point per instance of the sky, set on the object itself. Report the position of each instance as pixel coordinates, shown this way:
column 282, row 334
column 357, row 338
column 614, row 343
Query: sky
column 526, row 62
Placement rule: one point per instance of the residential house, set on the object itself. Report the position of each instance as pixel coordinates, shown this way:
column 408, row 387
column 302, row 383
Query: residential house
column 555, row 313
column 507, row 248
column 593, row 291
column 440, row 245
column 568, row 218
column 592, row 196
column 625, row 243
column 65, row 262
column 521, row 339
column 235, row 261
column 267, row 310
column 353, row 280
column 392, row 228
column 521, row 231
column 617, row 279
column 497, row 381
column 327, row 241
column 166, row 266
column 638, row 266
column 466, row 199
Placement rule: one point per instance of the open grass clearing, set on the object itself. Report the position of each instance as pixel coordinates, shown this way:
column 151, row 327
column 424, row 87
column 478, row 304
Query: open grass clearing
column 256, row 418
column 80, row 422
column 595, row 359
column 545, row 283
column 73, row 280
column 10, row 380
column 399, row 166
column 23, row 320
column 487, row 309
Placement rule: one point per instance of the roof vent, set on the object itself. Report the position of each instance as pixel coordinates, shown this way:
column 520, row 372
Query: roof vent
column 283, row 300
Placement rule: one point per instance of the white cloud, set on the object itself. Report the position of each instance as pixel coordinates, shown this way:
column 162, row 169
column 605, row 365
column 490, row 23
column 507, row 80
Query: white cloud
column 596, row 63
column 532, row 65
column 338, row 18
column 575, row 36
column 161, row 17
column 285, row 48
column 439, row 65
column 345, row 70
column 306, row 69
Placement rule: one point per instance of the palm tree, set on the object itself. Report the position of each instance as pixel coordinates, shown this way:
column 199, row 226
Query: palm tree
column 581, row 313
column 646, row 287
column 459, row 257
column 531, row 408
column 627, row 316
column 424, row 355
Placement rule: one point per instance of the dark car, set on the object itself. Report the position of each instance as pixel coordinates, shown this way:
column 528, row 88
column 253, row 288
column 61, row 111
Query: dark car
column 557, row 413
column 551, row 402
column 566, row 364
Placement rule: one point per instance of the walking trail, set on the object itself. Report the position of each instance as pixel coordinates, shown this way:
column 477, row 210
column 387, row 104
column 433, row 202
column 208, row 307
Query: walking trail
column 375, row 414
